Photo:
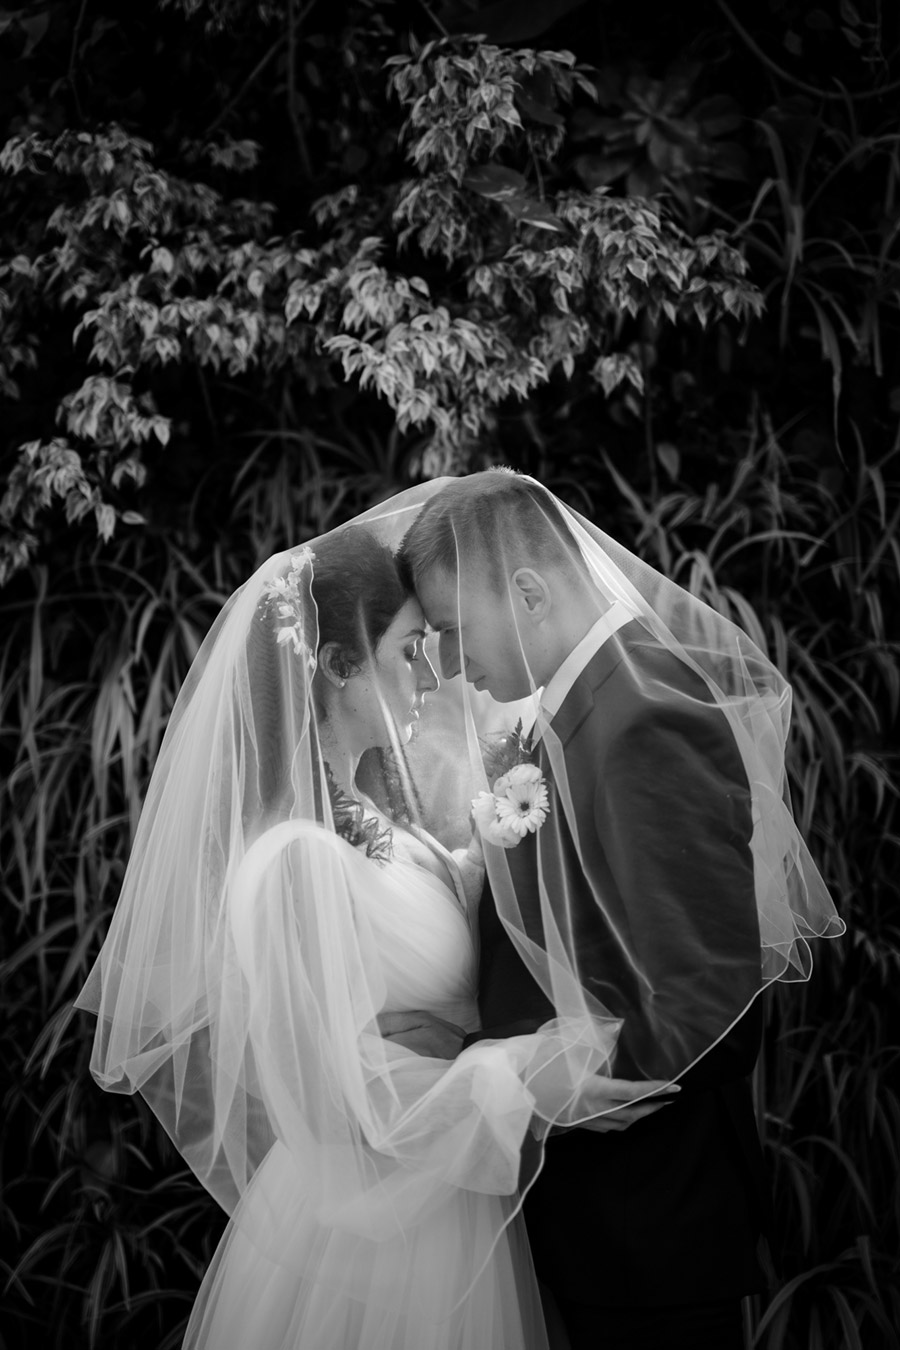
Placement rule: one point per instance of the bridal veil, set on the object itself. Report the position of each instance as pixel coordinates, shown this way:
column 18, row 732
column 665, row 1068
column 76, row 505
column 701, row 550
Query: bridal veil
column 239, row 986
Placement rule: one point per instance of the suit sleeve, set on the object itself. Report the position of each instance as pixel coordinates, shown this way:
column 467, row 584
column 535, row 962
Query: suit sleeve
column 673, row 816
column 509, row 1001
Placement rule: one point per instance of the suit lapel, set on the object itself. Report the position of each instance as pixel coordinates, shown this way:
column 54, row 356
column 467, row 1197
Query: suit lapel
column 579, row 702
column 534, row 853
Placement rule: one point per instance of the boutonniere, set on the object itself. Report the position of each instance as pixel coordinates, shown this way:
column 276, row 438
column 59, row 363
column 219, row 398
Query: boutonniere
column 518, row 803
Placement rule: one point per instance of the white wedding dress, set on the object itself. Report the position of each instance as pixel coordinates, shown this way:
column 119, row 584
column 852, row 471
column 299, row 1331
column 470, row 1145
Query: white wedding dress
column 284, row 1277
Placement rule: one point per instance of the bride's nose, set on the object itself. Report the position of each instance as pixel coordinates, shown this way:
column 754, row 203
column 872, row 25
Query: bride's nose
column 427, row 676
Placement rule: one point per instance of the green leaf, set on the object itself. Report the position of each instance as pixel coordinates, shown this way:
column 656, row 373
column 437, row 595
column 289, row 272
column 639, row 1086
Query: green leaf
column 717, row 115
column 819, row 21
column 669, row 457
column 36, row 29
column 644, row 181
column 730, row 161
column 538, row 112
column 508, row 22
column 531, row 211
column 601, row 170
column 495, row 181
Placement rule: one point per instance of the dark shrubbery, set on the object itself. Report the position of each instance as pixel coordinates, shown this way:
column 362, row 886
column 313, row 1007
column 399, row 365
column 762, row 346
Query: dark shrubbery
column 265, row 264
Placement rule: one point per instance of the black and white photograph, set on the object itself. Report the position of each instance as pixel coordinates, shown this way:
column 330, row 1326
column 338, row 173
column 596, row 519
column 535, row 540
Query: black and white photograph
column 449, row 678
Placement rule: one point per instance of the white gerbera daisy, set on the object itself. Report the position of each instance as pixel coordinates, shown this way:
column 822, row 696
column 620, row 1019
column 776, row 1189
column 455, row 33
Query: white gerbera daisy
column 523, row 804
column 518, row 805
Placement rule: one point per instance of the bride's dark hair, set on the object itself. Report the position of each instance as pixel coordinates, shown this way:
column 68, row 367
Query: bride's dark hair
column 349, row 596
column 358, row 590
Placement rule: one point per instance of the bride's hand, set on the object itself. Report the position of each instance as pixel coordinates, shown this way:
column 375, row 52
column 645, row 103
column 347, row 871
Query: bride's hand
column 475, row 853
column 470, row 862
column 422, row 1032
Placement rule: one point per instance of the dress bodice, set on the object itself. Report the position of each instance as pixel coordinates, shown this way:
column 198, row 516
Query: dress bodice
column 425, row 943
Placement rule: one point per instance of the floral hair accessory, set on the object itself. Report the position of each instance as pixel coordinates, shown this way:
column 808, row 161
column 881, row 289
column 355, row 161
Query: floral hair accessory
column 287, row 597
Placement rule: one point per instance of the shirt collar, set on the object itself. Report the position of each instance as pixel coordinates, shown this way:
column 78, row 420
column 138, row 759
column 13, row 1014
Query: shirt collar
column 559, row 685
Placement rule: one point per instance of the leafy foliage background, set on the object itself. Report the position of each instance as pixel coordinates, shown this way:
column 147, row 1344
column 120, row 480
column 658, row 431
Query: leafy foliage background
column 264, row 264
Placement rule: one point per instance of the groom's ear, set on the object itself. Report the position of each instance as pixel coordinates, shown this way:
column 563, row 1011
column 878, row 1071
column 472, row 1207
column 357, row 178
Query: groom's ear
column 532, row 590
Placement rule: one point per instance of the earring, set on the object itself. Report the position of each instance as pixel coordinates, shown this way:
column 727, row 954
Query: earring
column 341, row 683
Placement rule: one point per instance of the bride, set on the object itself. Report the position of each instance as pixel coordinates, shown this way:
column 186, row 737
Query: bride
column 273, row 917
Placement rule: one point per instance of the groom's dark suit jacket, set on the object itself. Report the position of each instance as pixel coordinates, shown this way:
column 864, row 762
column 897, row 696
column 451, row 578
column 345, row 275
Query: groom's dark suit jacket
column 670, row 1209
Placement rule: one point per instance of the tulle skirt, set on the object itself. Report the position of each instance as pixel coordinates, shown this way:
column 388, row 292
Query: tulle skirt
column 281, row 1280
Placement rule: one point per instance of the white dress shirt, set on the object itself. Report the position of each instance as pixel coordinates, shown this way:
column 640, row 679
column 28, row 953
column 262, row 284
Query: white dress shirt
column 557, row 687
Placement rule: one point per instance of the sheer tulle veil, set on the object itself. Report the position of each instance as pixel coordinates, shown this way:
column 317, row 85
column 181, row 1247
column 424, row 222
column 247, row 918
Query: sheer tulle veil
column 684, row 686
column 240, row 983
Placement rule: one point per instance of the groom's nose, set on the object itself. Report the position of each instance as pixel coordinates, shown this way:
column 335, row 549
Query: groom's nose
column 448, row 651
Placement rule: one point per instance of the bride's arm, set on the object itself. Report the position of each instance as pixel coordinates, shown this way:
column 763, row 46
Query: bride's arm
column 470, row 862
column 422, row 1032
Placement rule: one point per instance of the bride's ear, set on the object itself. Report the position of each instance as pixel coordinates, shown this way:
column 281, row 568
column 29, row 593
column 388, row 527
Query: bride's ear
column 333, row 664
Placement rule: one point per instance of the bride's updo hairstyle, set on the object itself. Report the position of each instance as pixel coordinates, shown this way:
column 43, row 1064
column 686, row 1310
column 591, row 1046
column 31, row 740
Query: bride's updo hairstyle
column 357, row 589
column 349, row 596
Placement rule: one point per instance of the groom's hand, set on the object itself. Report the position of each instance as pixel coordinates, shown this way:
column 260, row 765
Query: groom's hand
column 619, row 1097
column 422, row 1032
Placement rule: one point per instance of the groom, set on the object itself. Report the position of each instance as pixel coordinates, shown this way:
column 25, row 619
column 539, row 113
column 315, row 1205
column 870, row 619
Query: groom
column 644, row 1226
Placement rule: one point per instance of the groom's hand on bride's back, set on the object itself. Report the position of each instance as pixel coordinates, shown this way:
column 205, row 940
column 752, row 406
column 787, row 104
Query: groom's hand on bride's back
column 625, row 1102
column 422, row 1032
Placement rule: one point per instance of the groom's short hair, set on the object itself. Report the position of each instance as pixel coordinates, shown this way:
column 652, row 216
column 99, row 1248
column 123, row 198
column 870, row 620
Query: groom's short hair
column 496, row 520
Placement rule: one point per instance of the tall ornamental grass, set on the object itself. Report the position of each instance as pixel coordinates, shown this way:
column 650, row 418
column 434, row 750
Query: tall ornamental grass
column 111, row 1234
column 262, row 265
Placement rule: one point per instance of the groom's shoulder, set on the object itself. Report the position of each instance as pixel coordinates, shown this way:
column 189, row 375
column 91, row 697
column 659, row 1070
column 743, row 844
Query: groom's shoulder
column 635, row 666
column 635, row 681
